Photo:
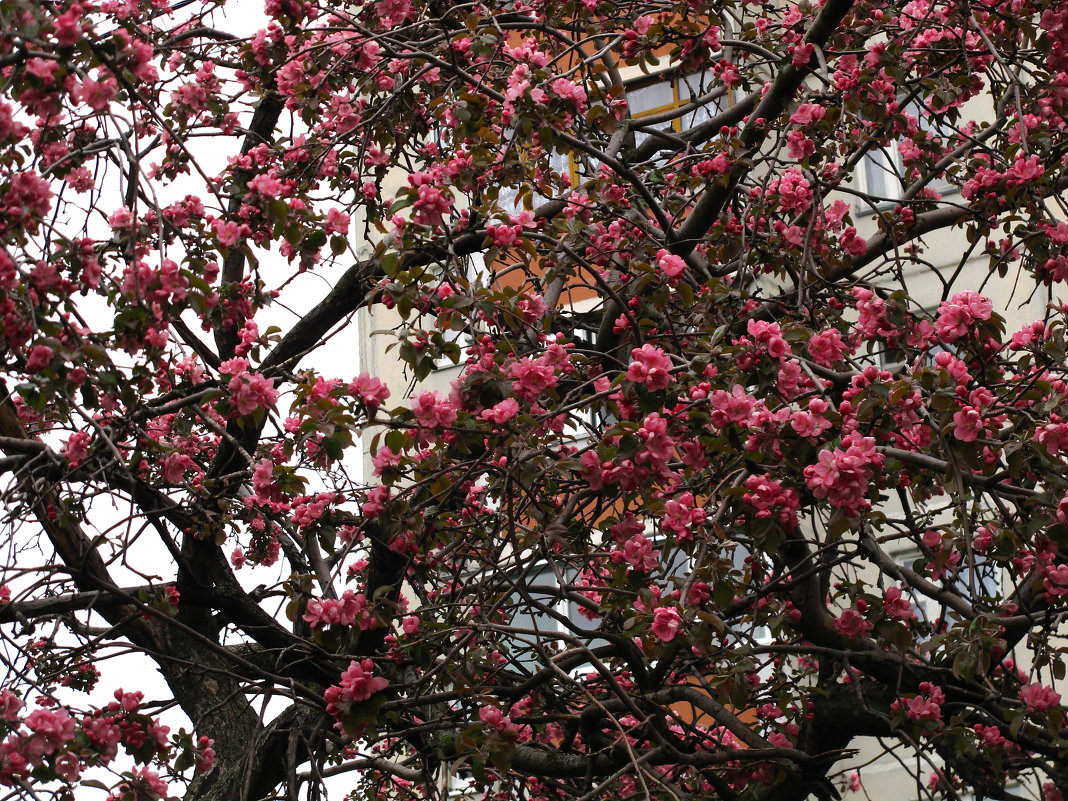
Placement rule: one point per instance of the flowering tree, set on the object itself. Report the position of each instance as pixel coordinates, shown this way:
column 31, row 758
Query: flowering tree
column 713, row 499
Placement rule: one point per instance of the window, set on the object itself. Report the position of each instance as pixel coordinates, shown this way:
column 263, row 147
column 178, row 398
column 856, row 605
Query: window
column 973, row 583
column 541, row 615
column 539, row 610
column 881, row 173
column 563, row 163
column 451, row 343
column 656, row 99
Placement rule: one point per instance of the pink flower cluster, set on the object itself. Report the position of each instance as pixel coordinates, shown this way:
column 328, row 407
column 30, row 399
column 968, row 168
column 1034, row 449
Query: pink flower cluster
column 249, row 391
column 827, row 347
column 46, row 734
column 957, row 315
column 358, row 683
column 844, row 475
column 897, row 605
column 851, row 624
column 371, row 391
column 350, row 610
column 670, row 265
column 432, row 202
column 927, row 705
column 433, row 411
column 772, row 502
column 811, row 422
column 531, row 377
column 501, row 412
column 1038, row 697
column 638, row 552
column 680, row 515
column 160, row 288
column 503, row 724
column 650, row 366
column 77, row 448
column 309, row 508
column 144, row 783
column 770, row 336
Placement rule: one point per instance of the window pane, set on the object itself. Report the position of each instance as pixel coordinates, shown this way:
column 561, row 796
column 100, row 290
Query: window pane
column 693, row 87
column 881, row 173
column 654, row 97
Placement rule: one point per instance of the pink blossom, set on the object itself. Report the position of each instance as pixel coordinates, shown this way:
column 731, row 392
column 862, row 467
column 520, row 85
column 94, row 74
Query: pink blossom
column 826, row 347
column 666, row 622
column 357, row 684
column 532, row 377
column 794, row 190
column 844, row 475
column 1062, row 510
column 267, row 186
column 433, row 411
column 99, row 93
column 1025, row 170
column 650, row 366
column 369, row 390
column 569, row 90
column 811, row 422
column 375, row 502
column 10, row 704
column 968, row 424
column 770, row 335
column 250, row 392
column 854, row 781
column 307, row 509
column 392, row 12
column 68, row 767
column 40, row 357
column 174, row 466
column 432, row 206
column 77, row 448
column 350, row 610
column 385, row 458
column 147, row 779
column 852, row 243
column 54, row 728
column 808, row 113
column 337, row 222
column 851, row 624
column 731, row 407
column 205, row 754
column 671, row 265
column 637, row 552
column 957, row 315
column 1054, row 436
column 927, row 705
column 503, row 724
column 897, row 605
column 504, row 236
column 991, row 736
column 1038, row 697
column 771, row 501
column 680, row 515
column 502, row 412
column 801, row 55
column 227, row 233
column 67, row 28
